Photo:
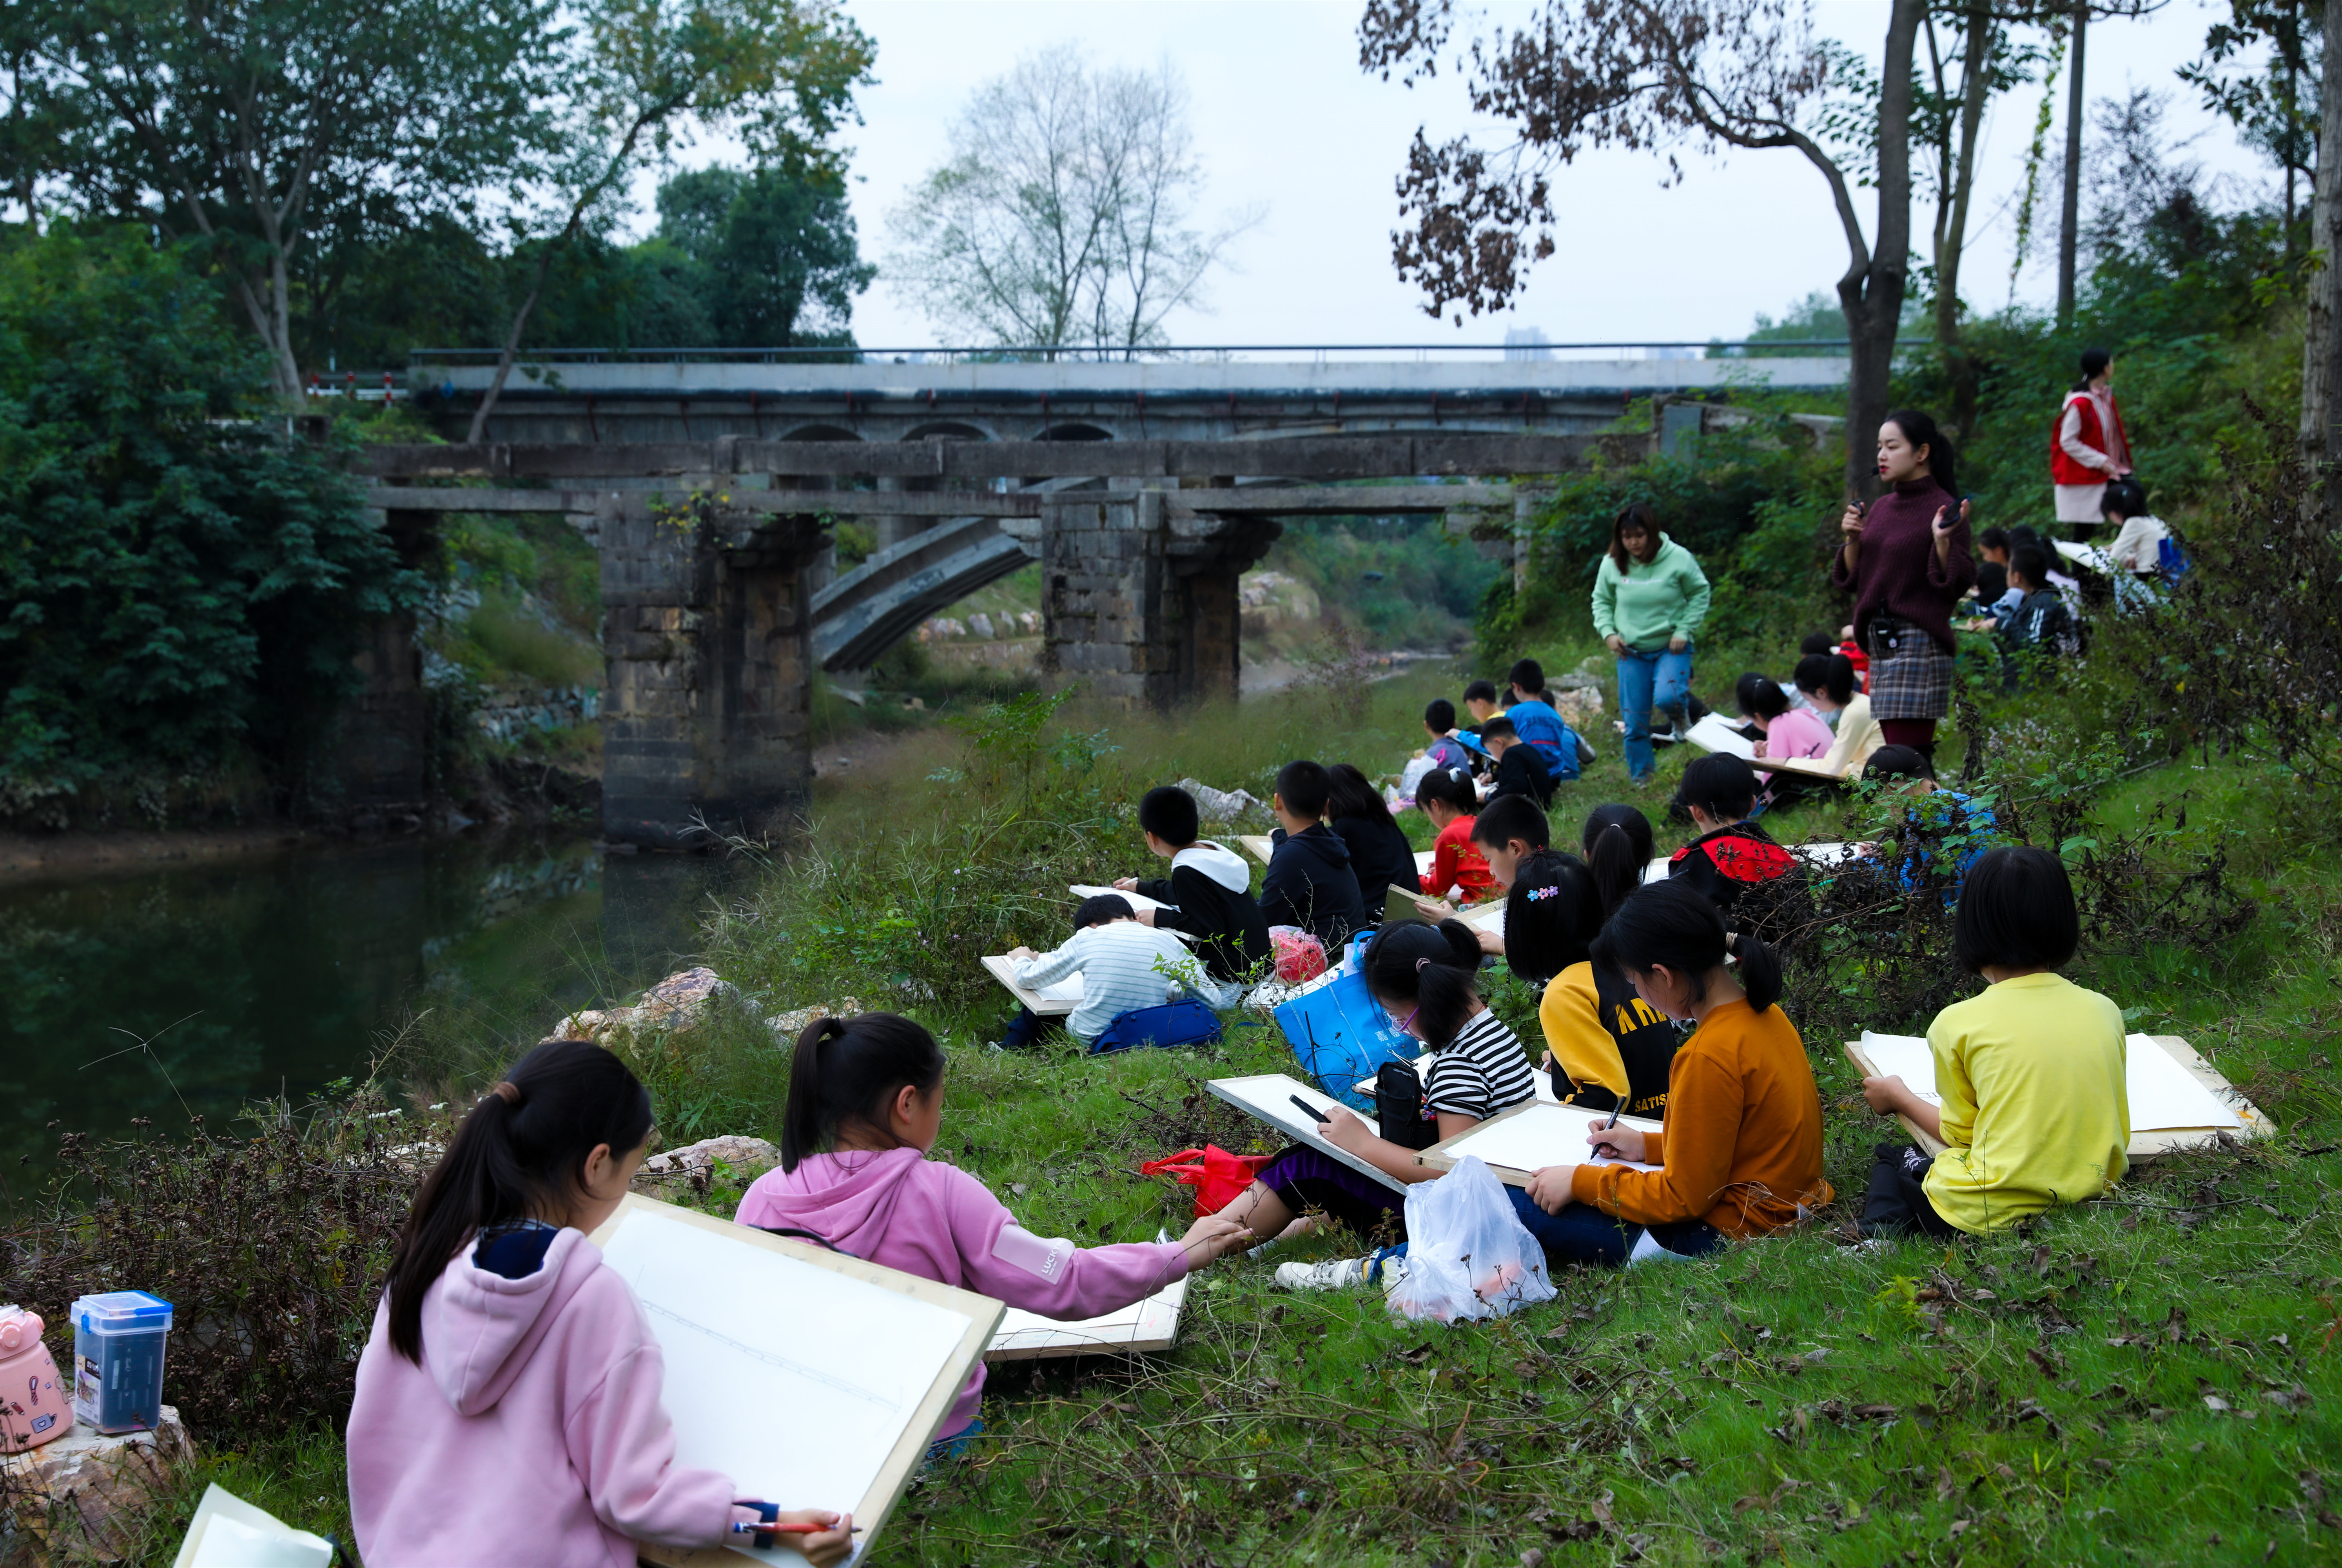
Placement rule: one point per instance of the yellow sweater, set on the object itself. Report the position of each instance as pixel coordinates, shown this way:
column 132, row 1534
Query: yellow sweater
column 2035, row 1112
column 1571, row 1016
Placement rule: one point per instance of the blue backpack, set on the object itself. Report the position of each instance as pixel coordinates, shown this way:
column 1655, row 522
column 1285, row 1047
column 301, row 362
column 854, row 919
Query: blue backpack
column 1166, row 1027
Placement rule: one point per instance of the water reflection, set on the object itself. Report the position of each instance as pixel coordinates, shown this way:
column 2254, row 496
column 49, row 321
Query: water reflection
column 282, row 974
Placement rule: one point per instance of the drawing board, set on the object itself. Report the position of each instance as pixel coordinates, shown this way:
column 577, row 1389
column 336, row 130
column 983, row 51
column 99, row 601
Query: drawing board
column 2088, row 556
column 1257, row 844
column 1655, row 872
column 1713, row 735
column 1137, row 900
column 2177, row 1098
column 812, row 1379
column 1150, row 1325
column 1054, row 1000
column 1823, row 853
column 1517, row 1144
column 1422, row 859
column 1268, row 1097
column 229, row 1532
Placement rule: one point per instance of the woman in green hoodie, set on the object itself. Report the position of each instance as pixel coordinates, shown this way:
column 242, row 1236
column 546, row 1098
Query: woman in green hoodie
column 1649, row 597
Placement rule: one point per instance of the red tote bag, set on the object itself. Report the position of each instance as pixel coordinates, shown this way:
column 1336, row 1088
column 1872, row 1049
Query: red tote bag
column 1217, row 1176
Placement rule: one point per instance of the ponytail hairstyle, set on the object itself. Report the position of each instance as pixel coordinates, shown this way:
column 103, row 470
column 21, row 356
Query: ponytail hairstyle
column 523, row 1147
column 1552, row 911
column 1450, row 786
column 1349, row 794
column 1832, row 673
column 1433, row 969
column 1760, row 696
column 848, row 1070
column 1670, row 924
column 1617, row 844
column 1635, row 515
column 1919, row 429
column 2094, row 364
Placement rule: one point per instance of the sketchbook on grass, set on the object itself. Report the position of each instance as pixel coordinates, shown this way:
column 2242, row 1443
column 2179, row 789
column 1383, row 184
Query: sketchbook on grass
column 1517, row 1144
column 812, row 1379
column 1151, row 1323
column 1054, row 1000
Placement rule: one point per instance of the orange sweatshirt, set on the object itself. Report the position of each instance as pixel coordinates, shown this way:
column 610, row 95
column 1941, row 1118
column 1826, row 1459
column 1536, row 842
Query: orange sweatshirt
column 1742, row 1142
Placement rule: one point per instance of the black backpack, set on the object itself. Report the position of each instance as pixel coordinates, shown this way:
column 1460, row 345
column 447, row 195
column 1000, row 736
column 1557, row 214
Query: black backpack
column 1399, row 1107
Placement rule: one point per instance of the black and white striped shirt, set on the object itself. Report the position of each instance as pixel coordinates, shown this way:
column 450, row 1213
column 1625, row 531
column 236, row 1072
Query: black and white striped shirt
column 1483, row 1070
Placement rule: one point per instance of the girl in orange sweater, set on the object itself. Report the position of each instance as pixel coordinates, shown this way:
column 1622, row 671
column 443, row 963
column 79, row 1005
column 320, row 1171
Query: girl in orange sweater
column 1740, row 1150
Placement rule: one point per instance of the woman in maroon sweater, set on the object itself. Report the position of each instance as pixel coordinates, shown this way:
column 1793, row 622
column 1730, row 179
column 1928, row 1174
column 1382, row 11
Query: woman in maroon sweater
column 1906, row 560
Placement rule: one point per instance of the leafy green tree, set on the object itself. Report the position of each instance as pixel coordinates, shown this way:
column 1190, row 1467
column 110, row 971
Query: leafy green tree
column 183, row 580
column 776, row 252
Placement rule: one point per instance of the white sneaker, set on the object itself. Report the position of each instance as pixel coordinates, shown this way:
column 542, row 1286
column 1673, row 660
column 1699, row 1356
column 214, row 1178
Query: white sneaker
column 1338, row 1274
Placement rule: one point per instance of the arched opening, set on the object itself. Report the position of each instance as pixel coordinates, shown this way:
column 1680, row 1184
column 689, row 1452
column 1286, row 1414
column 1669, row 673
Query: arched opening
column 1076, row 433
column 946, row 430
column 821, row 433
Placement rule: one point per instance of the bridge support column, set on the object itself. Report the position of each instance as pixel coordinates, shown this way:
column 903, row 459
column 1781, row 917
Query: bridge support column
column 1139, row 606
column 707, row 699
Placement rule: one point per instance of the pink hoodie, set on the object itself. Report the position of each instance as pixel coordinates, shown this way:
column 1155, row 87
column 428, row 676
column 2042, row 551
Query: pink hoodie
column 532, row 1430
column 923, row 1217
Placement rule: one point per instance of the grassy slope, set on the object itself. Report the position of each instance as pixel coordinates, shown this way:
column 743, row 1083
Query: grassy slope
column 2045, row 1397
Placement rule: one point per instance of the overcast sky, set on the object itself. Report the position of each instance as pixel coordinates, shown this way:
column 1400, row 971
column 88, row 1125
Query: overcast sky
column 1286, row 123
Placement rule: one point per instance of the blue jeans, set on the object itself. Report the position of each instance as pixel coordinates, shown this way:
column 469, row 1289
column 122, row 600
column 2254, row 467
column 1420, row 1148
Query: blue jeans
column 1658, row 679
column 1584, row 1234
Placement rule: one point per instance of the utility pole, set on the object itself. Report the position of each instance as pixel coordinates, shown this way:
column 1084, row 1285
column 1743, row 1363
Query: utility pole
column 2069, row 234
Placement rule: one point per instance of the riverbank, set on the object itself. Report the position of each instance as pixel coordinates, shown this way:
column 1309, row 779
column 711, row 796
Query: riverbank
column 40, row 857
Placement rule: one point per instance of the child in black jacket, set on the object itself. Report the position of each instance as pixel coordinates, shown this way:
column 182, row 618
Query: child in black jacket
column 1208, row 895
column 2041, row 623
column 1310, row 882
column 1520, row 767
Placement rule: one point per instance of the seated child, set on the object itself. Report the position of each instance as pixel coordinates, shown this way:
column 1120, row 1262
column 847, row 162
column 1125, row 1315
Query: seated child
column 1480, row 701
column 1507, row 831
column 1380, row 856
column 866, row 1105
column 1123, row 967
column 1827, row 682
column 507, row 1407
column 1992, row 582
column 2141, row 542
column 1208, row 895
column 1603, row 1044
column 2035, row 1110
column 1740, row 1149
column 2069, row 587
column 1538, row 723
column 1310, row 882
column 1458, row 870
column 1733, row 857
column 1425, row 977
column 1938, row 822
column 1445, row 750
column 2042, row 625
column 1617, row 844
column 1520, row 766
column 1781, row 731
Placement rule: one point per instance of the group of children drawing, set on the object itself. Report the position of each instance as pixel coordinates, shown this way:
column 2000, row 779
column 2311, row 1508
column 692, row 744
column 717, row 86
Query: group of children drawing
column 508, row 1401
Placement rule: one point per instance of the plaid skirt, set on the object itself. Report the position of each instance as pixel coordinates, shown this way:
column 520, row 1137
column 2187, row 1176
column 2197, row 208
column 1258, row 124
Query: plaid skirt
column 1910, row 677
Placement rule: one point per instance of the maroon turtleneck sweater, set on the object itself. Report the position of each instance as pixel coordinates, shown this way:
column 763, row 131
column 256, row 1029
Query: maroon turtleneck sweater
column 1898, row 572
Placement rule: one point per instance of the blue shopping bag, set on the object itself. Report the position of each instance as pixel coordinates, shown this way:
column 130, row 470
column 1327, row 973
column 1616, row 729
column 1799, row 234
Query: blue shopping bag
column 1339, row 1036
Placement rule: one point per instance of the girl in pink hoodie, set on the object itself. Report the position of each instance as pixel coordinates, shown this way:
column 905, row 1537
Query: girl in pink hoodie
column 507, row 1405
column 866, row 1105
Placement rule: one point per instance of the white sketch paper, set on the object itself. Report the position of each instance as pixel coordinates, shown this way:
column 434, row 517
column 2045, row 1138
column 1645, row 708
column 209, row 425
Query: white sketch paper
column 1712, row 734
column 2164, row 1094
column 1539, row 1137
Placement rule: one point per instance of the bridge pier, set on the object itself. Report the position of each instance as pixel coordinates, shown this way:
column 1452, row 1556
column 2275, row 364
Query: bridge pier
column 707, row 703
column 1141, row 605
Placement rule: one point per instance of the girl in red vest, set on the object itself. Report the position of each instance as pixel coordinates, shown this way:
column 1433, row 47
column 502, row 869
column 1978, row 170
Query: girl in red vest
column 2088, row 446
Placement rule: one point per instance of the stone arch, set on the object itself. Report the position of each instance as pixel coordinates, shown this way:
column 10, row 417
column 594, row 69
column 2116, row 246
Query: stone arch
column 946, row 430
column 1075, row 430
column 821, row 433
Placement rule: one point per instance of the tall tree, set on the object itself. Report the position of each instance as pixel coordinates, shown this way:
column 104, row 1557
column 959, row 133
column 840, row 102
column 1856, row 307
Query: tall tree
column 2321, row 348
column 779, row 264
column 1066, row 213
column 778, row 75
column 2079, row 15
column 2264, row 100
column 1654, row 76
column 254, row 124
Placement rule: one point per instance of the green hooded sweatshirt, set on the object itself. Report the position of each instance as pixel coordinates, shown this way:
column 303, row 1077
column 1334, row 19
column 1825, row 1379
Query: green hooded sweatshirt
column 1650, row 605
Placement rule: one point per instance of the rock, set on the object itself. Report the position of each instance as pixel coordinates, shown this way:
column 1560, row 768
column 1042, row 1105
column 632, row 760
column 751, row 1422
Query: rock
column 80, row 1499
column 676, row 1003
column 1231, row 806
column 980, row 625
column 1579, row 706
column 787, row 1026
column 737, row 1150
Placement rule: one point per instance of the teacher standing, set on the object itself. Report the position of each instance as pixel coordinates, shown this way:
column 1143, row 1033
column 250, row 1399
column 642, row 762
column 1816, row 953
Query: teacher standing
column 1649, row 598
column 2088, row 447
column 1908, row 563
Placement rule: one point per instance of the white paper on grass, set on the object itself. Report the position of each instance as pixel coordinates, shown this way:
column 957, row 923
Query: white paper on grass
column 1712, row 734
column 2163, row 1093
column 796, row 1381
column 1539, row 1137
column 229, row 1532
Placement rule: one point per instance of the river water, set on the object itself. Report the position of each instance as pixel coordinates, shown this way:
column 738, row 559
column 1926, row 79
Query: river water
column 283, row 974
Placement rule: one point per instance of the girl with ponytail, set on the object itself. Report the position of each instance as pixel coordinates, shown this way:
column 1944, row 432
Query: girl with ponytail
column 507, row 1407
column 1740, row 1152
column 1426, row 978
column 866, row 1105
column 1605, row 1046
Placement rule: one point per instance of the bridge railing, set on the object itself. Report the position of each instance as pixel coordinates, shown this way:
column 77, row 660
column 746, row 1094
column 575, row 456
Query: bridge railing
column 1320, row 354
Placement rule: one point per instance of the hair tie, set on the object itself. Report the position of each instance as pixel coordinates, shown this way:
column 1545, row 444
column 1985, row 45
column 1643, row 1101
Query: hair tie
column 1535, row 893
column 1421, row 964
column 507, row 1091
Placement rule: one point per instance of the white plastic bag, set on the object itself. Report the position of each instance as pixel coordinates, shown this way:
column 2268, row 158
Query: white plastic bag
column 1468, row 1256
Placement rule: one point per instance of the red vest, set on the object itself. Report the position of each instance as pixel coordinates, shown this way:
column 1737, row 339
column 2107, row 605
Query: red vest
column 2063, row 469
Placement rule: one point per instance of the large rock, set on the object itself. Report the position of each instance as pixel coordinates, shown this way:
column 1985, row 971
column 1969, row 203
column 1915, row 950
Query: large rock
column 79, row 1499
column 676, row 1003
column 693, row 1164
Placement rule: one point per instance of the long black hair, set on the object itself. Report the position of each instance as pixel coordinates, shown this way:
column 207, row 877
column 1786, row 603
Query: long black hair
column 1635, row 515
column 1830, row 673
column 1449, row 786
column 1551, row 912
column 847, row 1070
column 1617, row 843
column 523, row 1147
column 1352, row 795
column 1434, row 969
column 2094, row 364
column 1670, row 923
column 1919, row 429
column 1759, row 696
